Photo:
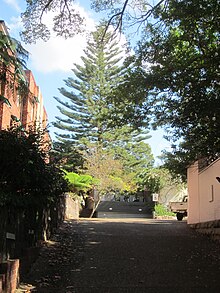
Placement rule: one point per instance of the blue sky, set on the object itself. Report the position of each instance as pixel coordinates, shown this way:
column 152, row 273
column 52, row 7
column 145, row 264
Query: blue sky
column 51, row 61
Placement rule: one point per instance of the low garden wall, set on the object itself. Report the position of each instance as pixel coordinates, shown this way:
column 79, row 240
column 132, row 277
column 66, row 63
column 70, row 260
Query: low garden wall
column 211, row 229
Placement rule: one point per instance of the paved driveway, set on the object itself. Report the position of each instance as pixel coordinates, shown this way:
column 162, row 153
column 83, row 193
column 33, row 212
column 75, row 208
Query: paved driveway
column 127, row 255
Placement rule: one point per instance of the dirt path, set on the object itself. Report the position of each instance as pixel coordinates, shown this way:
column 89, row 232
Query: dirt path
column 127, row 256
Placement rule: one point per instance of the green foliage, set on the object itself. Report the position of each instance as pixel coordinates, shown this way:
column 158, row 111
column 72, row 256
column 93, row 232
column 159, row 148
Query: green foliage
column 174, row 81
column 13, row 58
column 176, row 73
column 152, row 179
column 179, row 57
column 133, row 153
column 85, row 107
column 161, row 210
column 78, row 182
column 88, row 115
column 5, row 100
column 135, row 156
column 183, row 48
column 66, row 156
column 25, row 177
column 130, row 105
column 12, row 53
column 178, row 161
column 102, row 166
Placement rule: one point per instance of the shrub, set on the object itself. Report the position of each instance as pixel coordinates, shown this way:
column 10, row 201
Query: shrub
column 26, row 176
column 161, row 210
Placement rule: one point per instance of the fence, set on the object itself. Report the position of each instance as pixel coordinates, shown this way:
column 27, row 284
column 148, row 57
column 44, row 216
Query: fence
column 21, row 232
column 22, row 228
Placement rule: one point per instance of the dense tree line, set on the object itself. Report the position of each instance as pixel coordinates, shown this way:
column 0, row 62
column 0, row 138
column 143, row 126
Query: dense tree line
column 182, row 47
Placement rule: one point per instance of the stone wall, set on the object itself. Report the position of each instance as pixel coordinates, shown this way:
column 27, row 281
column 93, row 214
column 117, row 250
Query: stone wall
column 72, row 207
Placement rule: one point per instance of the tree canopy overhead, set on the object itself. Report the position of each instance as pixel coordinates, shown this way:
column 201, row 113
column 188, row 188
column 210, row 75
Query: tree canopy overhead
column 68, row 21
column 183, row 80
column 177, row 67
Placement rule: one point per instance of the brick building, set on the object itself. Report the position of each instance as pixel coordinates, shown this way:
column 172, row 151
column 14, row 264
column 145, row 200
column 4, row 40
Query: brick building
column 21, row 104
column 18, row 107
column 33, row 112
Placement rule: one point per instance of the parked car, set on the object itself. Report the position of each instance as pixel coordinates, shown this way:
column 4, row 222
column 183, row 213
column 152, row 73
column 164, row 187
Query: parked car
column 179, row 208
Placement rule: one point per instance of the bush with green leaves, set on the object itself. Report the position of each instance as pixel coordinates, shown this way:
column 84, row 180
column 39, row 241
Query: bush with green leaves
column 161, row 210
column 26, row 179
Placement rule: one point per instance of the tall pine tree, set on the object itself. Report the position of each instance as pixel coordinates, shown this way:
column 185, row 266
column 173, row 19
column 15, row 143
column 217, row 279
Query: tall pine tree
column 85, row 111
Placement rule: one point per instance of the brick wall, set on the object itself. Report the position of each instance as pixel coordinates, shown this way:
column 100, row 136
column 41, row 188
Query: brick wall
column 27, row 108
column 30, row 102
column 6, row 112
column 9, row 90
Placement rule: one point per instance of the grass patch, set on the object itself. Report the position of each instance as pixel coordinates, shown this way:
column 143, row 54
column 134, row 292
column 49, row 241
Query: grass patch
column 161, row 210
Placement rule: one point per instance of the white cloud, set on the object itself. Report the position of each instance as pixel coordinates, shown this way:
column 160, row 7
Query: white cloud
column 13, row 4
column 59, row 54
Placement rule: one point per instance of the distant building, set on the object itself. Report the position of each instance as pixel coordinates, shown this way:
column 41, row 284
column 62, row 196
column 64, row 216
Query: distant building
column 23, row 108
